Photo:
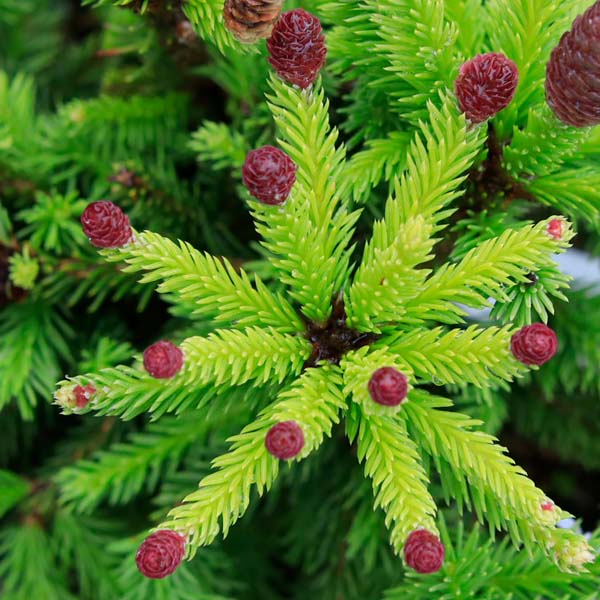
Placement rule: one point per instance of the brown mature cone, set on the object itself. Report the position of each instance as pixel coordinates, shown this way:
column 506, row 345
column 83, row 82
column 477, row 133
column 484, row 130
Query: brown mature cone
column 251, row 20
column 573, row 72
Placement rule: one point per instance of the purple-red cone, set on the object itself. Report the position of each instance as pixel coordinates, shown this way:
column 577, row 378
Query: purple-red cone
column 424, row 552
column 485, row 85
column 160, row 554
column 269, row 174
column 534, row 344
column 297, row 47
column 573, row 72
column 285, row 440
column 388, row 386
column 163, row 359
column 106, row 225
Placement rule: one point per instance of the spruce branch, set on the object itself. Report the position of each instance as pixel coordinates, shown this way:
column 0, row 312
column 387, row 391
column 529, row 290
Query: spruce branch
column 80, row 548
column 316, row 399
column 128, row 392
column 33, row 343
column 542, row 146
column 235, row 357
column 473, row 355
column 467, row 16
column 68, row 142
column 211, row 577
column 483, row 568
column 314, row 271
column 387, row 279
column 225, row 494
column 419, row 44
column 121, row 472
column 526, row 31
column 502, row 492
column 304, row 132
column 402, row 51
column 574, row 192
column 12, row 490
column 212, row 286
column 391, row 457
column 485, row 271
column 533, row 298
column 437, row 159
column 352, row 35
column 27, row 565
column 219, row 144
column 50, row 222
column 440, row 153
column 379, row 161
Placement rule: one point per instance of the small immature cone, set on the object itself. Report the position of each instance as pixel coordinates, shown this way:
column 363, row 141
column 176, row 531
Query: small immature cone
column 534, row 344
column 549, row 513
column 251, row 20
column 160, row 554
column 70, row 397
column 106, row 225
column 485, row 85
column 388, row 386
column 285, row 440
column 424, row 552
column 297, row 47
column 163, row 359
column 83, row 394
column 269, row 174
column 573, row 72
column 556, row 228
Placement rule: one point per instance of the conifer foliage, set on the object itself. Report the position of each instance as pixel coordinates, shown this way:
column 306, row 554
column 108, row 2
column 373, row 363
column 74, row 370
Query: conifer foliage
column 297, row 270
column 347, row 340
